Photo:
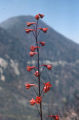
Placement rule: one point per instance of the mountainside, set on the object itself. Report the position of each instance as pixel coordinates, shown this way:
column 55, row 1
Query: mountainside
column 61, row 52
column 64, row 49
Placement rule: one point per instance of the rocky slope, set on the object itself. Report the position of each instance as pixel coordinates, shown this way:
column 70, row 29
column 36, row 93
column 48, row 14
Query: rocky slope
column 61, row 52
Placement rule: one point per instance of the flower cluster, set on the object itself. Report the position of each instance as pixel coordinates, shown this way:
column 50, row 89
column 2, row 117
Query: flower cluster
column 37, row 100
column 56, row 117
column 47, row 87
column 34, row 50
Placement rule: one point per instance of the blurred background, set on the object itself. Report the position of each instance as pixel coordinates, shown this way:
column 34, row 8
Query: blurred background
column 61, row 50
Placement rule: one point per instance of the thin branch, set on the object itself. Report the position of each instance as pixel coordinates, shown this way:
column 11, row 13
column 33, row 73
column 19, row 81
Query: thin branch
column 38, row 33
column 35, row 91
column 33, row 34
column 42, row 90
column 37, row 109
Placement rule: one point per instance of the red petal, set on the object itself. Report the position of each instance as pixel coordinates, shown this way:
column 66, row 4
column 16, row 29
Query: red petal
column 37, row 17
column 41, row 15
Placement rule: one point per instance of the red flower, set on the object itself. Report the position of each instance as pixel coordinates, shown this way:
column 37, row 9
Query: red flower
column 48, row 84
column 27, row 85
column 32, row 101
column 38, row 99
column 30, row 23
column 29, row 30
column 42, row 43
column 56, row 117
column 32, row 53
column 40, row 28
column 44, row 29
column 49, row 67
column 41, row 15
column 37, row 17
column 29, row 68
column 32, row 48
column 37, row 74
column 47, row 87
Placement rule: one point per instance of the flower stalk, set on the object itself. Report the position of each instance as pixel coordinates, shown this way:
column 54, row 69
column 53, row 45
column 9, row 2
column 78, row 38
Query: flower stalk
column 35, row 50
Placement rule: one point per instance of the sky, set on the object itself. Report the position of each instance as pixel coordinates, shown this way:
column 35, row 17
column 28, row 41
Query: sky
column 61, row 15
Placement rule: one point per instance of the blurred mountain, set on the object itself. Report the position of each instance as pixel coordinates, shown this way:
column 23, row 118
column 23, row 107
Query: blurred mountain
column 59, row 51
